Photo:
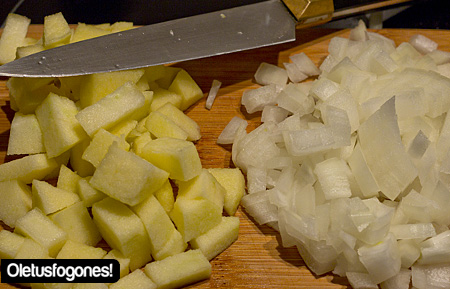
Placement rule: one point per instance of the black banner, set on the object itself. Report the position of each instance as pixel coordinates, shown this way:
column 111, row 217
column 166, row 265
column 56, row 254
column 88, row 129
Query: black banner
column 60, row 270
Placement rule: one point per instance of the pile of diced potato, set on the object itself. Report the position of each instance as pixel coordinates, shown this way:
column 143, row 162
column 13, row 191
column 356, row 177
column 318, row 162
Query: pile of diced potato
column 121, row 152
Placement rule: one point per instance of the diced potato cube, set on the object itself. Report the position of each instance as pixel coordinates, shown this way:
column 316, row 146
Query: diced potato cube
column 28, row 50
column 124, row 128
column 216, row 240
column 122, row 230
column 165, row 196
column 54, row 285
column 140, row 142
column 10, row 244
column 178, row 157
column 82, row 168
column 89, row 286
column 175, row 244
column 168, row 75
column 41, row 229
column 88, row 194
column 203, row 186
column 179, row 270
column 61, row 130
column 144, row 110
column 94, row 87
column 50, row 199
column 27, row 93
column 121, row 26
column 143, row 86
column 136, row 279
column 28, row 168
column 15, row 201
column 76, row 250
column 111, row 109
column 184, row 85
column 162, row 126
column 30, row 249
column 123, row 261
column 25, row 135
column 194, row 217
column 182, row 120
column 61, row 160
column 100, row 144
column 126, row 177
column 56, row 31
column 156, row 221
column 233, row 181
column 152, row 73
column 162, row 96
column 70, row 87
column 78, row 224
column 13, row 36
column 67, row 179
column 86, row 31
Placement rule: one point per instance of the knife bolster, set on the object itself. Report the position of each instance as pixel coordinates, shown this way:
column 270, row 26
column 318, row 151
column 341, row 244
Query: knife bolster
column 310, row 12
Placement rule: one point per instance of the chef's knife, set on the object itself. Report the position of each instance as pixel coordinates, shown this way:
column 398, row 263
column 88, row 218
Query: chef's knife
column 240, row 28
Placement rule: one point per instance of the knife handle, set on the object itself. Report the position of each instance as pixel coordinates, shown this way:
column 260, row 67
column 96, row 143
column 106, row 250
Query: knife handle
column 310, row 12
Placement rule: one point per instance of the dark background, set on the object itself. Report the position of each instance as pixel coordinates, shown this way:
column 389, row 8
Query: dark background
column 430, row 14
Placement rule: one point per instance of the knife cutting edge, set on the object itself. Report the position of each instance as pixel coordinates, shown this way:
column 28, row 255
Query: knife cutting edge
column 240, row 28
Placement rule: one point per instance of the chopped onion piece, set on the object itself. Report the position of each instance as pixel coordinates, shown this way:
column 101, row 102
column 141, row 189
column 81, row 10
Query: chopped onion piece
column 259, row 206
column 294, row 73
column 359, row 33
column 439, row 56
column 255, row 99
column 361, row 281
column 271, row 74
column 294, row 100
column 256, row 179
column 399, row 281
column 332, row 175
column 228, row 134
column 273, row 113
column 431, row 276
column 305, row 64
column 409, row 252
column 422, row 43
column 382, row 260
column 323, row 88
column 436, row 249
column 212, row 93
column 413, row 231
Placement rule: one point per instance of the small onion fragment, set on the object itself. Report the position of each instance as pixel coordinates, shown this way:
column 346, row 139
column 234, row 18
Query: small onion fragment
column 212, row 93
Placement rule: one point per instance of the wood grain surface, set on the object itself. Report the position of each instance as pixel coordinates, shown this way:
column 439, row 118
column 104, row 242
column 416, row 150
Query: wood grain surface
column 256, row 259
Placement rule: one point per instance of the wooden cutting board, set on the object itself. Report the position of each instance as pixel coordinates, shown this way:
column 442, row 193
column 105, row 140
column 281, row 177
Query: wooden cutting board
column 256, row 259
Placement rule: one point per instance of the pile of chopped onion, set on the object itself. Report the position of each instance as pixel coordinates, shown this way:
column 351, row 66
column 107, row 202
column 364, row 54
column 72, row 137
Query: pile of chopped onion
column 353, row 167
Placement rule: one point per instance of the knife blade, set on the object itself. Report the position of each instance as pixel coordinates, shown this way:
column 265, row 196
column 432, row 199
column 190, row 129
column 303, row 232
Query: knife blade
column 215, row 33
